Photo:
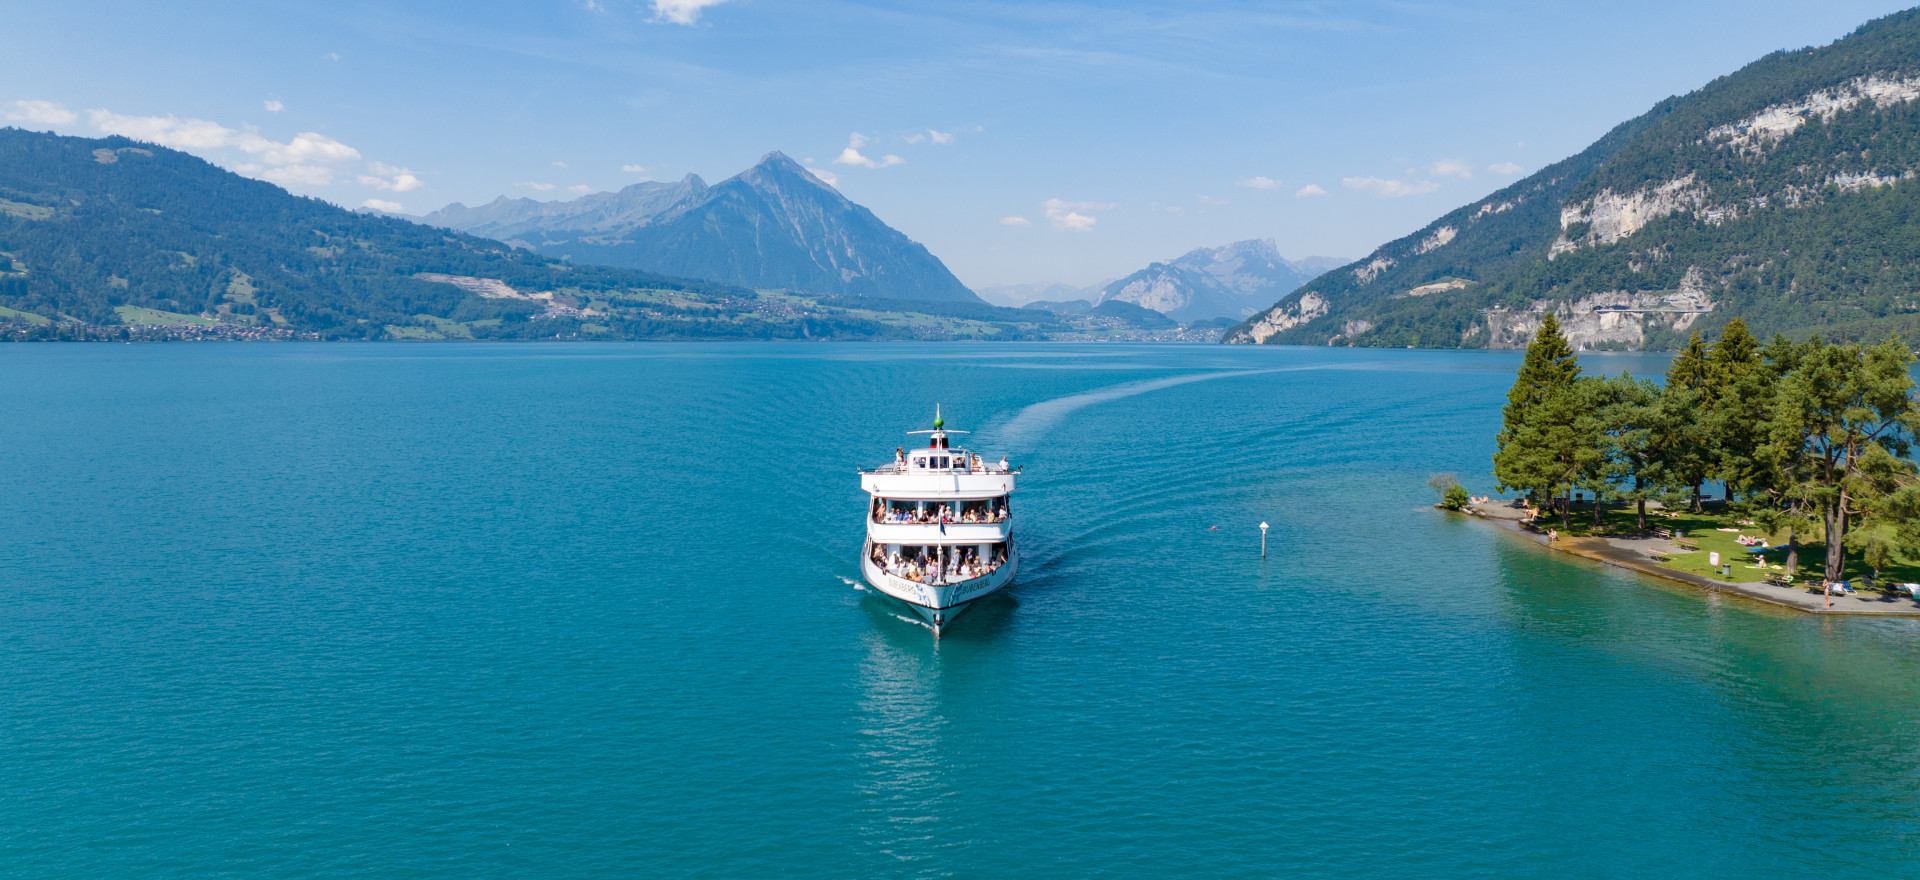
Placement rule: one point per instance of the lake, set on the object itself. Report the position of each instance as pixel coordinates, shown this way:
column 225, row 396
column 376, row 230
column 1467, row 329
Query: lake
column 455, row 611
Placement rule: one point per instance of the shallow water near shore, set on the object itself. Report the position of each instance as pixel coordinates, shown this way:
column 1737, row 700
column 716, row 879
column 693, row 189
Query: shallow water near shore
column 591, row 611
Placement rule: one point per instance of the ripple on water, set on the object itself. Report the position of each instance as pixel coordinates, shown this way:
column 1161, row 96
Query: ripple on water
column 313, row 610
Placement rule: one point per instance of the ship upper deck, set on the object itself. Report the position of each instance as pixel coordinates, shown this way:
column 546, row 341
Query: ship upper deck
column 939, row 471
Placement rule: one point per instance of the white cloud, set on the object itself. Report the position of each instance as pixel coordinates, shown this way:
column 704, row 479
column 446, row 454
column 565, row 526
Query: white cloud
column 1389, row 189
column 580, row 188
column 1451, row 168
column 1505, row 168
column 199, row 134
column 308, row 159
column 1066, row 215
column 1205, row 199
column 1310, row 191
column 1015, row 221
column 41, row 113
column 827, row 177
column 851, row 155
column 383, row 205
column 681, row 11
column 940, row 137
column 1258, row 183
column 633, row 169
column 543, row 187
column 387, row 177
column 559, row 164
column 332, row 56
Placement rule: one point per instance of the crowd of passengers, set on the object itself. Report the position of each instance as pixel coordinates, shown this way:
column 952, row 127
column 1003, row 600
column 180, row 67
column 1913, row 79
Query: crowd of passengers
column 964, row 564
column 941, row 513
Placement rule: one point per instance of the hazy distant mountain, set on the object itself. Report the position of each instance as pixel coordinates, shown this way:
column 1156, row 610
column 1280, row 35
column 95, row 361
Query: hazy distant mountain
column 772, row 226
column 1019, row 295
column 1232, row 281
column 532, row 223
column 1783, row 194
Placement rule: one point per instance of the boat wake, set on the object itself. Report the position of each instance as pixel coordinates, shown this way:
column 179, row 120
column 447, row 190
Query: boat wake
column 1033, row 422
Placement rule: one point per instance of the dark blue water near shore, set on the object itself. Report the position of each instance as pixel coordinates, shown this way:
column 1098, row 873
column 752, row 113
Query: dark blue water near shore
column 551, row 611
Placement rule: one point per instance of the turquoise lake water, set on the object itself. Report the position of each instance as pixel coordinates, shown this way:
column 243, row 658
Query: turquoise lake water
column 456, row 611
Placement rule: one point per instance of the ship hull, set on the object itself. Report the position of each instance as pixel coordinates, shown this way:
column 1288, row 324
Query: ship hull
column 939, row 604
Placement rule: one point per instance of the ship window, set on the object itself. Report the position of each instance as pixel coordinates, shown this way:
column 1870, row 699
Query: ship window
column 920, row 461
column 940, row 462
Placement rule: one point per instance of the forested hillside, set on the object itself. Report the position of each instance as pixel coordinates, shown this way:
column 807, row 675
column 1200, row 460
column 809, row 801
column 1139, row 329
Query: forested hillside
column 1784, row 194
column 102, row 238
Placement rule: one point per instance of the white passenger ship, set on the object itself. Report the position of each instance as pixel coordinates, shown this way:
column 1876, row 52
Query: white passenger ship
column 939, row 527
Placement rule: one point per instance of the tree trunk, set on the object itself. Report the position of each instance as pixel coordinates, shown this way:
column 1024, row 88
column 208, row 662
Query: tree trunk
column 1566, row 510
column 1598, row 499
column 1642, row 510
column 1793, row 551
column 1836, row 522
column 1693, row 503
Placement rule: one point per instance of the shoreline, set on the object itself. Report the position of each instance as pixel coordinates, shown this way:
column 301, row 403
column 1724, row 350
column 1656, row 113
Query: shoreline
column 1632, row 554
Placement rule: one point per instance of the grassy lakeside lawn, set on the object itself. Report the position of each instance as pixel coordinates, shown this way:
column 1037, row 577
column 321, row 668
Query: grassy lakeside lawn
column 7, row 314
column 1704, row 528
column 135, row 315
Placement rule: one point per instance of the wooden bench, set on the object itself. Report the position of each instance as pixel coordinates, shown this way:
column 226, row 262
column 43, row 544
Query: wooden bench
column 1663, row 533
column 1688, row 543
column 1778, row 578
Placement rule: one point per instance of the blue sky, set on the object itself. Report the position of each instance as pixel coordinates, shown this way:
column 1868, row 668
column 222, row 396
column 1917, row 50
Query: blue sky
column 1031, row 141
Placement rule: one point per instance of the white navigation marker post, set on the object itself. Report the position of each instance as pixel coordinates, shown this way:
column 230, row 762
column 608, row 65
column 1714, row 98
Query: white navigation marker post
column 1263, row 540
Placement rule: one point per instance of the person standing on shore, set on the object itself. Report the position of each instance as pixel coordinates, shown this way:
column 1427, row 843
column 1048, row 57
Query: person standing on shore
column 1826, row 586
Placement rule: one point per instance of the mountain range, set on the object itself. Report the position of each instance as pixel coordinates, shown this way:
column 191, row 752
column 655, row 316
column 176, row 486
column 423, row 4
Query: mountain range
column 111, row 238
column 1784, row 194
column 774, row 225
column 1231, row 281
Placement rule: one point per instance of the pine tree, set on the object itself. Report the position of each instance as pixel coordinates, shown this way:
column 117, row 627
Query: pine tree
column 1629, row 418
column 1734, row 400
column 1841, row 423
column 1549, row 367
column 1687, row 447
column 1689, row 367
column 1557, row 446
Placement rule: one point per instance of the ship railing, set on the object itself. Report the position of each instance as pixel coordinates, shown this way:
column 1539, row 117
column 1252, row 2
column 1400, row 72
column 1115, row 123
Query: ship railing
column 989, row 521
column 944, row 581
column 891, row 469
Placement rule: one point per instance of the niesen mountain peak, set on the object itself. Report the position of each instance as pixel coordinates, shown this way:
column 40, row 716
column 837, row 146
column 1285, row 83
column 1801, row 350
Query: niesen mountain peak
column 774, row 225
column 1784, row 194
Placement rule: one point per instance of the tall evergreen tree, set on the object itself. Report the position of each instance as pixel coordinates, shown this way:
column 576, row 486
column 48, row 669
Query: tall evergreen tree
column 1689, row 368
column 1734, row 403
column 1842, row 419
column 1556, row 447
column 1687, row 445
column 1550, row 366
column 1629, row 418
